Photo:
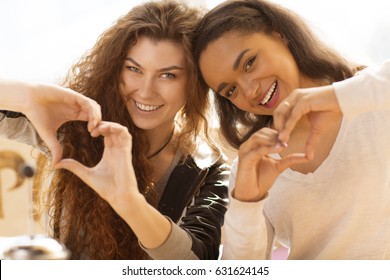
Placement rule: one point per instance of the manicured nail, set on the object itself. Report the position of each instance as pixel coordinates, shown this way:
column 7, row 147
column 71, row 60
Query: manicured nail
column 283, row 144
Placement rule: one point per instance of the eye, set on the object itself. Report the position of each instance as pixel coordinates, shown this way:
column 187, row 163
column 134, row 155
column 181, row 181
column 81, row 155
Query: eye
column 133, row 69
column 168, row 75
column 249, row 63
column 230, row 92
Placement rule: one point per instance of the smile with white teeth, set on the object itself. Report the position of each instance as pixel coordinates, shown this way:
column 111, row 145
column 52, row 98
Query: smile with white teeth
column 267, row 98
column 147, row 108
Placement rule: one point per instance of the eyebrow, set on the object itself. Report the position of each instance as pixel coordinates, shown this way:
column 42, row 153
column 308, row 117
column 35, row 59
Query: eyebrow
column 235, row 66
column 169, row 68
column 238, row 59
column 221, row 87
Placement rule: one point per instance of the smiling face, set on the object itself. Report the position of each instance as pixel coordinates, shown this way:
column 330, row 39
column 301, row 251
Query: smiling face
column 255, row 72
column 154, row 83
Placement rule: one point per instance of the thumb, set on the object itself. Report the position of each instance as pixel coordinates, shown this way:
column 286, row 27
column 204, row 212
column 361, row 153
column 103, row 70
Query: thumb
column 290, row 160
column 311, row 143
column 55, row 150
column 75, row 167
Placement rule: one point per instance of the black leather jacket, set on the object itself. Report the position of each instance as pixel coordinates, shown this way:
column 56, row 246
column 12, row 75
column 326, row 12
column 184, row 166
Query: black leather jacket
column 195, row 196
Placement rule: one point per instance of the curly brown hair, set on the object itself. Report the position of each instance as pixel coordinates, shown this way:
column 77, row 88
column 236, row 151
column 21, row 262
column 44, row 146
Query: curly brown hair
column 82, row 220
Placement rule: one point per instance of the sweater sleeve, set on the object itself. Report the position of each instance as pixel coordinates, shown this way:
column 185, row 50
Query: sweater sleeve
column 367, row 91
column 246, row 232
column 197, row 235
column 15, row 126
column 176, row 247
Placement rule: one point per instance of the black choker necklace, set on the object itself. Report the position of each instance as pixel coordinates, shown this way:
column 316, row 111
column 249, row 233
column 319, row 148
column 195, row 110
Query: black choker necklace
column 162, row 147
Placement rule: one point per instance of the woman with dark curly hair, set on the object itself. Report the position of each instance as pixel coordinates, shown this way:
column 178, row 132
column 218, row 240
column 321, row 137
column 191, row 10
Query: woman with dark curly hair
column 158, row 184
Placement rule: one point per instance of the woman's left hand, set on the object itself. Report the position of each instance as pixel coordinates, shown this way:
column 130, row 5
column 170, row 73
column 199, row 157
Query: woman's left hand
column 113, row 178
column 318, row 104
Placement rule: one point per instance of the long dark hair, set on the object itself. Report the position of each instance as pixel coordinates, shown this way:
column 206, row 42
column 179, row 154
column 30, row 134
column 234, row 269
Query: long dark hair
column 314, row 59
column 81, row 219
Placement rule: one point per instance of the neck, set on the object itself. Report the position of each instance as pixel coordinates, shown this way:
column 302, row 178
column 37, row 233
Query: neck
column 158, row 140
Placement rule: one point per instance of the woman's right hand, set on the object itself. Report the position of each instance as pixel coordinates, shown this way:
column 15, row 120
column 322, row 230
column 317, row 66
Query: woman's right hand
column 48, row 107
column 257, row 170
column 51, row 106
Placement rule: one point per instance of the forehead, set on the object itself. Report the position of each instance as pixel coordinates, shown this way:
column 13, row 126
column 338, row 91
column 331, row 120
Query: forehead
column 233, row 42
column 220, row 56
column 228, row 43
column 164, row 52
column 228, row 47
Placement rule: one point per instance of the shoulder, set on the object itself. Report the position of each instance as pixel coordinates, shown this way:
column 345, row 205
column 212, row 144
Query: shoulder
column 205, row 156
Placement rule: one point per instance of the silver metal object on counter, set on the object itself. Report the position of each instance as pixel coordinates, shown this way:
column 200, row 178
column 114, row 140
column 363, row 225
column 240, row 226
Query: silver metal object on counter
column 33, row 246
column 36, row 247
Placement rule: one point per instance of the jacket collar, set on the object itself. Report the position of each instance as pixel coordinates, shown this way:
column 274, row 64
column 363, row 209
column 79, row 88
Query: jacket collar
column 204, row 156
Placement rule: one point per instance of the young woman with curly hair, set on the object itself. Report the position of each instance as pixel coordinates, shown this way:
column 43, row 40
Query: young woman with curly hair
column 154, row 186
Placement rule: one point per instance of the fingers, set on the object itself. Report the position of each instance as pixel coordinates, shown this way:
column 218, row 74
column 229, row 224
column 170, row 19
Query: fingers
column 301, row 102
column 94, row 114
column 89, row 111
column 265, row 141
column 285, row 162
column 55, row 150
column 114, row 134
column 262, row 142
column 288, row 113
column 108, row 128
column 291, row 160
column 311, row 143
column 74, row 105
column 281, row 114
column 263, row 137
column 52, row 143
column 296, row 113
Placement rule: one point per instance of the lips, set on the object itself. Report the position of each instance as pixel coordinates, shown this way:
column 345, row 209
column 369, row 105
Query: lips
column 267, row 98
column 147, row 108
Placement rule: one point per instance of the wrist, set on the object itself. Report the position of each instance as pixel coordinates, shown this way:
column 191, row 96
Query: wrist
column 14, row 95
column 129, row 204
column 245, row 196
column 31, row 95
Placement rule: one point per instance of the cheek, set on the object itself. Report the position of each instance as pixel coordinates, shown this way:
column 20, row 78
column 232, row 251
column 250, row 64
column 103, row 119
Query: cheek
column 173, row 94
column 242, row 104
column 122, row 90
column 129, row 85
column 182, row 91
column 180, row 98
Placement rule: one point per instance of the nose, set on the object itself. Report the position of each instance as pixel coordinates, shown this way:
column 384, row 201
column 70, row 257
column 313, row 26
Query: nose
column 146, row 87
column 249, row 87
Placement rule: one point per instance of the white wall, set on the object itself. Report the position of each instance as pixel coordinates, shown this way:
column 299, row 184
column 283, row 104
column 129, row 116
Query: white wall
column 40, row 39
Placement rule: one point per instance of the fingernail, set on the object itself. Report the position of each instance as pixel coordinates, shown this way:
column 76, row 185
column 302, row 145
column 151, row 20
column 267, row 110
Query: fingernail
column 282, row 143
